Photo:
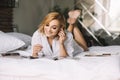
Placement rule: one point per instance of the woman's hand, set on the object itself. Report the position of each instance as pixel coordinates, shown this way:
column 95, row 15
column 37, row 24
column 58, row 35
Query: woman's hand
column 37, row 48
column 62, row 36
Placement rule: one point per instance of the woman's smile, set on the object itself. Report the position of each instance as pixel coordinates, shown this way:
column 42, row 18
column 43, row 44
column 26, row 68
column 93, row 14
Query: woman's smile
column 52, row 29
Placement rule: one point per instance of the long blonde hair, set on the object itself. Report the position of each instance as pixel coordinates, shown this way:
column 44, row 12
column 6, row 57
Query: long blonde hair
column 51, row 16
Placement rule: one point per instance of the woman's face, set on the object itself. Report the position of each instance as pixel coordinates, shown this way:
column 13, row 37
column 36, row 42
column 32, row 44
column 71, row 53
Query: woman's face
column 52, row 29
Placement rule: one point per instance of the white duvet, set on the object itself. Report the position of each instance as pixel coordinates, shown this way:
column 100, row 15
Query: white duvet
column 80, row 68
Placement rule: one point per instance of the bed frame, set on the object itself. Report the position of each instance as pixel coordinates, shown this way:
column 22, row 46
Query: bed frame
column 6, row 16
column 6, row 29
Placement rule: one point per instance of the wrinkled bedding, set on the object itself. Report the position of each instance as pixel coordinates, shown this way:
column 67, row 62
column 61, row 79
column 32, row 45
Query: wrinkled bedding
column 81, row 67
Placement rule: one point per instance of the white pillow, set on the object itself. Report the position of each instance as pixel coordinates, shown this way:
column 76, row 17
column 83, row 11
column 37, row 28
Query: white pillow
column 9, row 43
column 1, row 32
column 24, row 37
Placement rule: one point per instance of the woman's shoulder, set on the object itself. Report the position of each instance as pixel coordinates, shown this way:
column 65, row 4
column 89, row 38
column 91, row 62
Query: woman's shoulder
column 37, row 33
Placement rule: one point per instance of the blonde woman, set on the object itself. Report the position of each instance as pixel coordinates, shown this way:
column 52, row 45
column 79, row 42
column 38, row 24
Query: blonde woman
column 52, row 40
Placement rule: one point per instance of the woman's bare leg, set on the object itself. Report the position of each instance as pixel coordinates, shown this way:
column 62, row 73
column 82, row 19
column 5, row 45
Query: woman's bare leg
column 78, row 36
column 76, row 32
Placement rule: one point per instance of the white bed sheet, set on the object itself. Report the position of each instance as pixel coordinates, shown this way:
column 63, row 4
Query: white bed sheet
column 80, row 68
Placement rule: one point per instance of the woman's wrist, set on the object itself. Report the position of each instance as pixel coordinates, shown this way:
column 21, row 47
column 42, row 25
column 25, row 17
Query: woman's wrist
column 35, row 55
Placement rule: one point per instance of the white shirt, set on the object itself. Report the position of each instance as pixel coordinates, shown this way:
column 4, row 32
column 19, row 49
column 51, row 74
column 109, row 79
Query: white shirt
column 71, row 46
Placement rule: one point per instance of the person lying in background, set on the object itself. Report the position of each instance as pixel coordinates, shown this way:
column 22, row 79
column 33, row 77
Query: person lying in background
column 53, row 40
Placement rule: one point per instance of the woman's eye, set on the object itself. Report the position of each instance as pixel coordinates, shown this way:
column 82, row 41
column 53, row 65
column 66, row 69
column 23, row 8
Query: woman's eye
column 54, row 28
column 47, row 25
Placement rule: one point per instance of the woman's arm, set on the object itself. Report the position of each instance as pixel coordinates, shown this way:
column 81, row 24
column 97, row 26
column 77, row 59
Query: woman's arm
column 36, row 44
column 36, row 49
column 63, row 52
column 62, row 38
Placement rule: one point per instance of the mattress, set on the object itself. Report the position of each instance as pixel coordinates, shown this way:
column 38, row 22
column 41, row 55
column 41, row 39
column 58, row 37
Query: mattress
column 89, row 65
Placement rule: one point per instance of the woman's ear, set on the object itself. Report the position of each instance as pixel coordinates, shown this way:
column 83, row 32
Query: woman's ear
column 61, row 29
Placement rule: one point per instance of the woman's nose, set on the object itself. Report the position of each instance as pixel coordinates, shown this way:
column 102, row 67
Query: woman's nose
column 49, row 29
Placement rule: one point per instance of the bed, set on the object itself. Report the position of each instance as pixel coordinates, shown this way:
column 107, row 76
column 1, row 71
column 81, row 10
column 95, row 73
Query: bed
column 99, row 63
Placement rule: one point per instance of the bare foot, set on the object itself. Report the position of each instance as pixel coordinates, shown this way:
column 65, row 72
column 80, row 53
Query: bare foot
column 73, row 15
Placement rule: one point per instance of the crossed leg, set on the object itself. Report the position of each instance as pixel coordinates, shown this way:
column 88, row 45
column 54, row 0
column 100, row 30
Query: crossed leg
column 73, row 15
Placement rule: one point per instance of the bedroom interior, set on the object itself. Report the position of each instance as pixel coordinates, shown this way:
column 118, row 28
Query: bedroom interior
column 99, row 21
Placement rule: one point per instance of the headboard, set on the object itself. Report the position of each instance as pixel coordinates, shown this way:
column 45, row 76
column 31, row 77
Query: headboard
column 6, row 17
column 6, row 28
